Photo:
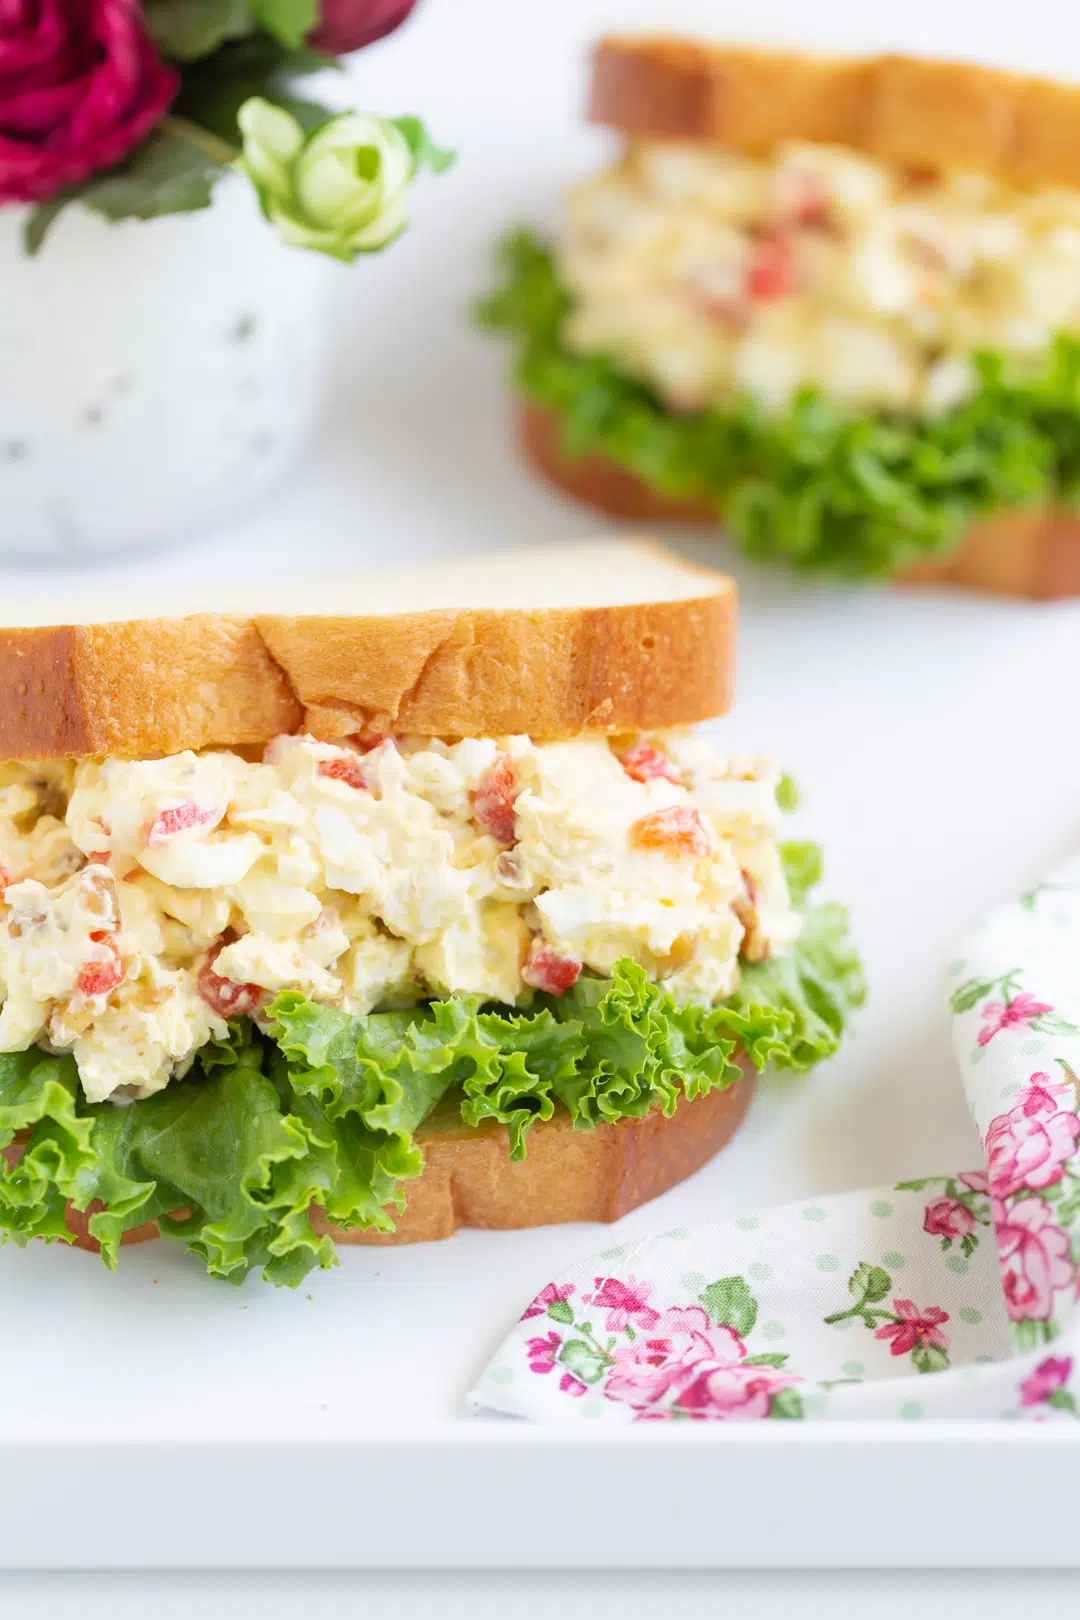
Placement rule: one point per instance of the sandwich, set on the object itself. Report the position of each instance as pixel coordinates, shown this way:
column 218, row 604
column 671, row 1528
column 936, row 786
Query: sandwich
column 832, row 304
column 389, row 905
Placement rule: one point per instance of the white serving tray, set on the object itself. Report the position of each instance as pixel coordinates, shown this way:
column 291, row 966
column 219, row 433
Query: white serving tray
column 157, row 1419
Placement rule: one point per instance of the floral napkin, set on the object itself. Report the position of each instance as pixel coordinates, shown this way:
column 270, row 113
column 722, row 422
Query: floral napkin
column 947, row 1297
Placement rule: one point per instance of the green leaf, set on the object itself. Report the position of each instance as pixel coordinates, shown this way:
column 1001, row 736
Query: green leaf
column 185, row 30
column 289, row 21
column 40, row 1094
column 583, row 1361
column 869, row 1283
column 39, row 220
column 786, row 1404
column 817, row 484
column 1062, row 1401
column 422, row 147
column 165, row 175
column 767, row 1358
column 214, row 89
column 560, row 1311
column 929, row 1358
column 802, row 869
column 796, row 1005
column 966, row 995
column 1053, row 1024
column 730, row 1303
column 787, row 794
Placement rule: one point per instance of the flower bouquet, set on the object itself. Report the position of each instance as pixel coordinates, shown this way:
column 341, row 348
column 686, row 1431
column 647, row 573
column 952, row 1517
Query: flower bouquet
column 155, row 375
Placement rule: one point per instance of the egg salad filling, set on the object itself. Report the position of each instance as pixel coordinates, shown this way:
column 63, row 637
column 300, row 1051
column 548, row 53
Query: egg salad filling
column 706, row 272
column 146, row 903
column 238, row 987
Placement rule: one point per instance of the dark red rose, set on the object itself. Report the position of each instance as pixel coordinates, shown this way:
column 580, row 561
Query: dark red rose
column 80, row 85
column 346, row 25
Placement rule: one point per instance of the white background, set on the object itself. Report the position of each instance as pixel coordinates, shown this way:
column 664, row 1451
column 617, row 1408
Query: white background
column 933, row 737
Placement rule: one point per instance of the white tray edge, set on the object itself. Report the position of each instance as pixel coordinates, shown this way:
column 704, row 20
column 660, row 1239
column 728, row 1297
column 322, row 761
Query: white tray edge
column 776, row 1497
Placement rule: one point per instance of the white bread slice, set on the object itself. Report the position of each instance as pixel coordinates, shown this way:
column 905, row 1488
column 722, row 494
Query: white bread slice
column 605, row 636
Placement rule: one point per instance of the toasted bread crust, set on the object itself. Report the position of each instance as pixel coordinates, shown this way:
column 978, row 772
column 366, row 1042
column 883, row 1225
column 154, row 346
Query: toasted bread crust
column 469, row 1178
column 925, row 114
column 160, row 685
column 1034, row 554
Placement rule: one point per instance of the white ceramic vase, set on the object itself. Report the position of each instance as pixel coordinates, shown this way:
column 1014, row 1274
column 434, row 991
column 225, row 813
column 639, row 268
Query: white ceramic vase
column 154, row 375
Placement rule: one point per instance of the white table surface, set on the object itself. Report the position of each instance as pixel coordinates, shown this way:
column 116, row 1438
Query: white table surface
column 931, row 735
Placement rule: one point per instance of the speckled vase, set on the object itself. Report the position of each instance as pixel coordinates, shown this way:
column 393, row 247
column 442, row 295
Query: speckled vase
column 154, row 375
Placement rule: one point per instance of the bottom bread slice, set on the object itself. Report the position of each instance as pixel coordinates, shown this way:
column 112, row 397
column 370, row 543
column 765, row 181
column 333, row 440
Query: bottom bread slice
column 1034, row 554
column 469, row 1178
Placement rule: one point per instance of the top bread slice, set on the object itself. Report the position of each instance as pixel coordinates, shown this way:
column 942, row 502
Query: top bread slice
column 924, row 114
column 554, row 641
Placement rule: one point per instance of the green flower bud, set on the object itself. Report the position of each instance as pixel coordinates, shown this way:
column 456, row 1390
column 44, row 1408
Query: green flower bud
column 340, row 190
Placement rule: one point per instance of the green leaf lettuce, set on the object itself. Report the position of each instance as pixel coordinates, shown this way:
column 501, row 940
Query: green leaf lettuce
column 818, row 485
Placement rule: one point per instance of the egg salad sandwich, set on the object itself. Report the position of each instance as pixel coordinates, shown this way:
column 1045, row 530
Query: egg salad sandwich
column 832, row 303
column 411, row 901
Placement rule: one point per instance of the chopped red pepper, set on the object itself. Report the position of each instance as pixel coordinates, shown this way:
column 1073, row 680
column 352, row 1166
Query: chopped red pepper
column 644, row 763
column 494, row 800
column 180, row 818
column 677, row 830
column 807, row 201
column 546, row 970
column 772, row 272
column 224, row 996
column 349, row 768
column 98, row 977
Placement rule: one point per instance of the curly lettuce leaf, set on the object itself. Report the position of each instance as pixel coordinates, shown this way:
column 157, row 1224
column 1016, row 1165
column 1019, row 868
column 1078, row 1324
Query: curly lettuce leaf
column 40, row 1094
column 213, row 1158
column 818, row 485
column 363, row 1084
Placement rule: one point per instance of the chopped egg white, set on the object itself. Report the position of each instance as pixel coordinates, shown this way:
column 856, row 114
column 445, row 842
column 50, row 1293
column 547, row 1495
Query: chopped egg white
column 705, row 272
column 144, row 903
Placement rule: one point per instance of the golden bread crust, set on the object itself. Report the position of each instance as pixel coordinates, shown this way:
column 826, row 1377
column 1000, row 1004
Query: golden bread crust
column 908, row 110
column 161, row 685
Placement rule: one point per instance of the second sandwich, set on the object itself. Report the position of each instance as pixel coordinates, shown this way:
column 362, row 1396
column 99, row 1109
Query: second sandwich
column 834, row 302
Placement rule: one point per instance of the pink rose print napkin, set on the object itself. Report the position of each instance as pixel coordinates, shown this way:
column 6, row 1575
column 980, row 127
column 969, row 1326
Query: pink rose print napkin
column 947, row 1297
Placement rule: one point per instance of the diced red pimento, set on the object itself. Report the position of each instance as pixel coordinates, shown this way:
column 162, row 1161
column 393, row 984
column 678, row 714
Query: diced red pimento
column 494, row 800
column 348, row 768
column 678, row 830
column 645, row 763
column 225, row 997
column 805, row 201
column 545, row 969
column 364, row 743
column 772, row 271
column 99, row 976
column 180, row 818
